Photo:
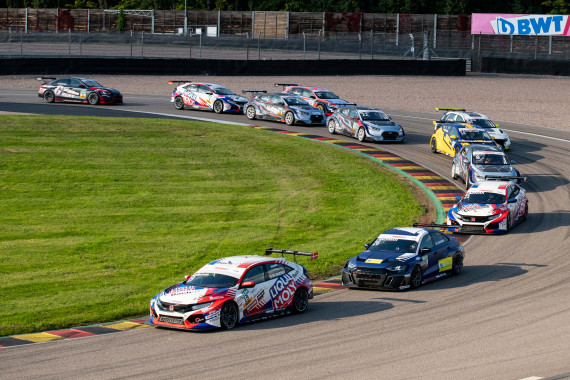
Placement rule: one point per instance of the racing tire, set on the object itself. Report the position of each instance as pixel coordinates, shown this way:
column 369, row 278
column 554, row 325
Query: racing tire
column 49, row 96
column 416, row 278
column 433, row 145
column 93, row 98
column 300, row 300
column 525, row 215
column 331, row 125
column 457, row 265
column 289, row 118
column 361, row 134
column 453, row 172
column 218, row 106
column 250, row 112
column 179, row 103
column 229, row 315
column 508, row 223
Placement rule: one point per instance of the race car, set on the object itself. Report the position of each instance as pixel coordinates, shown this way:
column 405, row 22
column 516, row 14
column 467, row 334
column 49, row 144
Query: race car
column 489, row 207
column 449, row 138
column 475, row 163
column 477, row 120
column 403, row 258
column 234, row 290
column 318, row 97
column 282, row 107
column 75, row 89
column 365, row 123
column 206, row 96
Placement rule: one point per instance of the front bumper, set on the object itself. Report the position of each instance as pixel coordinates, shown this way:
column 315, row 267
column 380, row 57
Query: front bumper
column 497, row 225
column 375, row 279
column 317, row 119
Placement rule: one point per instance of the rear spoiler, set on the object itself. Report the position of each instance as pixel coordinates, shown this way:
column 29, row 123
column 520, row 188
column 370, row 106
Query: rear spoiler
column 491, row 178
column 432, row 225
column 450, row 109
column 285, row 85
column 252, row 91
column 45, row 79
column 312, row 255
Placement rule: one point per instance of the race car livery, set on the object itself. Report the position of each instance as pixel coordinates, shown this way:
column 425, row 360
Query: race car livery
column 449, row 138
column 234, row 290
column 282, row 107
column 318, row 97
column 206, row 96
column 365, row 123
column 403, row 258
column 477, row 120
column 489, row 207
column 475, row 163
column 75, row 89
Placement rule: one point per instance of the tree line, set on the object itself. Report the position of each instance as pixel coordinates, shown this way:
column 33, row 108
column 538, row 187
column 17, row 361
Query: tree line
column 366, row 6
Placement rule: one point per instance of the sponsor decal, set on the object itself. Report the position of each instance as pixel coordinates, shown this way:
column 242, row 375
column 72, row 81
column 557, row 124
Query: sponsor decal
column 182, row 290
column 424, row 262
column 214, row 314
column 445, row 264
column 373, row 261
column 282, row 292
column 520, row 25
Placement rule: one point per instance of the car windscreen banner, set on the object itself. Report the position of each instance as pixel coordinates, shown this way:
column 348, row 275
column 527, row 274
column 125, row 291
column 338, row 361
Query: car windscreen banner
column 520, row 25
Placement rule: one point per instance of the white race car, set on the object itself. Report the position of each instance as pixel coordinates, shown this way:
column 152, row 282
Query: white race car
column 206, row 96
column 460, row 115
column 489, row 207
column 234, row 290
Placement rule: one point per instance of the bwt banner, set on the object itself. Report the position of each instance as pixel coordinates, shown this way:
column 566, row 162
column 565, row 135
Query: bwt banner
column 520, row 25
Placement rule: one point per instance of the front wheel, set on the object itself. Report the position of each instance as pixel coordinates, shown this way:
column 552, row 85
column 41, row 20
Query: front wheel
column 433, row 145
column 49, row 97
column 300, row 301
column 229, row 315
column 331, row 126
column 250, row 112
column 453, row 171
column 416, row 277
column 93, row 98
column 361, row 135
column 508, row 222
column 218, row 106
column 525, row 215
column 457, row 265
column 179, row 103
column 289, row 118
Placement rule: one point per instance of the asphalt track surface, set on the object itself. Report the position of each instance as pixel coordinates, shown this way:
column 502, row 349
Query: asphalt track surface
column 507, row 316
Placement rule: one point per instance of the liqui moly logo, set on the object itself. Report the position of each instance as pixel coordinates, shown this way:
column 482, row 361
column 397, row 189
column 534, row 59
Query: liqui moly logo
column 522, row 25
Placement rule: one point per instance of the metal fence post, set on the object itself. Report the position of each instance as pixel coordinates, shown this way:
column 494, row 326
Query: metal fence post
column 69, row 41
column 259, row 46
column 200, row 45
column 371, row 44
column 479, row 47
column 304, row 47
column 549, row 45
column 535, row 46
column 397, row 29
column 247, row 46
column 319, row 44
column 434, row 30
column 21, row 43
column 131, row 43
column 80, row 43
column 190, row 46
column 26, row 26
column 359, row 45
column 142, row 44
column 511, row 49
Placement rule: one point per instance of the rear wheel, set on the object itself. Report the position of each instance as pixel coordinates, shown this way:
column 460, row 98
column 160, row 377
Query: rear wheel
column 218, row 106
column 179, row 103
column 93, row 98
column 289, row 118
column 49, row 97
column 433, row 145
column 300, row 300
column 229, row 315
column 250, row 112
column 331, row 126
column 416, row 277
column 361, row 135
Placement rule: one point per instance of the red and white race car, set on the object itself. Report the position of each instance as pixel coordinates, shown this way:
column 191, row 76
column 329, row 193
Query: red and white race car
column 235, row 290
column 318, row 97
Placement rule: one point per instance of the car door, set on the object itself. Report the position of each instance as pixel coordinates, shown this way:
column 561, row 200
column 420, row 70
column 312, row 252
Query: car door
column 253, row 300
column 462, row 161
column 442, row 245
column 281, row 286
column 428, row 255
column 204, row 96
column 62, row 89
column 514, row 192
column 78, row 90
column 344, row 120
column 190, row 95
column 448, row 142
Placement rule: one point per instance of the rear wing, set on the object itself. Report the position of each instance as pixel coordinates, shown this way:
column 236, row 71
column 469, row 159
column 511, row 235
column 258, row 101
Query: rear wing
column 312, row 255
column 45, row 79
column 492, row 178
column 178, row 82
column 433, row 225
column 285, row 85
column 451, row 109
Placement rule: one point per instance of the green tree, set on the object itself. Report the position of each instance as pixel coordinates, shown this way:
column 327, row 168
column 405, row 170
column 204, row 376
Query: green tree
column 121, row 21
column 557, row 7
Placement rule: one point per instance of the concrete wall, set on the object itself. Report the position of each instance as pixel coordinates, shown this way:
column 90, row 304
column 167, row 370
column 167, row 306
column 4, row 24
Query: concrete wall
column 519, row 66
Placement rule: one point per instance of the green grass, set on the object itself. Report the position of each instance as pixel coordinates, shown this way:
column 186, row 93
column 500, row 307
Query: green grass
column 99, row 214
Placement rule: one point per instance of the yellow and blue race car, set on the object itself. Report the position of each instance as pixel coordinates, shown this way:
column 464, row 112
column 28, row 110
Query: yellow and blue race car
column 449, row 138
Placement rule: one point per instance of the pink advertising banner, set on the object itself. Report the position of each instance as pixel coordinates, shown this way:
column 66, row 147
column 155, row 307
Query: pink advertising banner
column 520, row 25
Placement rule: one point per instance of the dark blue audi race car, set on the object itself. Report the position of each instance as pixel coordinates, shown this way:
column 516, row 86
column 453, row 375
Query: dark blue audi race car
column 403, row 258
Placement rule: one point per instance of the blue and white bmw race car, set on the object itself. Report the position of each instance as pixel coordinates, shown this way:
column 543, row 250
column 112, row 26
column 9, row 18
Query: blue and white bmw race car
column 404, row 257
column 206, row 96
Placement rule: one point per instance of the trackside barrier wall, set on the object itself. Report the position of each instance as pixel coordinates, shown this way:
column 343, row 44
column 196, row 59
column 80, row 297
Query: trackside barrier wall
column 519, row 66
column 151, row 66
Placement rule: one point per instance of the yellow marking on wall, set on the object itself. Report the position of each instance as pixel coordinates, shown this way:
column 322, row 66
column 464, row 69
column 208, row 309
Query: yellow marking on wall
column 38, row 337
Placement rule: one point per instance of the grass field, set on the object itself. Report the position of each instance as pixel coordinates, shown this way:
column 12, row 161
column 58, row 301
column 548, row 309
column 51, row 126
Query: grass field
column 99, row 214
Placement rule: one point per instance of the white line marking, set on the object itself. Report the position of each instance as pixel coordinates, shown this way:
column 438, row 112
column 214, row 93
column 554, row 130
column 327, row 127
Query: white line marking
column 186, row 117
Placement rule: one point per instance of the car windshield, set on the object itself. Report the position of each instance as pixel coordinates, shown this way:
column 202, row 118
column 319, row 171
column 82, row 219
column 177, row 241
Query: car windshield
column 483, row 123
column 473, row 134
column 91, row 83
column 211, row 280
column 294, row 101
column 393, row 245
column 484, row 198
column 223, row 91
column 373, row 115
column 490, row 159
column 325, row 95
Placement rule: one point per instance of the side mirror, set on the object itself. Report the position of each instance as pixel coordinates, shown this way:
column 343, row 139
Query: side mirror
column 208, row 93
column 312, row 97
column 458, row 197
column 187, row 277
column 497, row 125
column 426, row 250
column 247, row 284
column 367, row 245
column 453, row 137
column 513, row 200
column 81, row 85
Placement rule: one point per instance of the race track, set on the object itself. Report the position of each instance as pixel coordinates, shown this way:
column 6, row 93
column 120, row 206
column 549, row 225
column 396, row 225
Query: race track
column 506, row 317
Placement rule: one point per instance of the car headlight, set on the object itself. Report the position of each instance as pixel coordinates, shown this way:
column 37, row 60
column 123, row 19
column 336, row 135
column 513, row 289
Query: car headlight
column 298, row 112
column 350, row 265
column 401, row 132
column 158, row 303
column 398, row 268
column 203, row 305
column 479, row 177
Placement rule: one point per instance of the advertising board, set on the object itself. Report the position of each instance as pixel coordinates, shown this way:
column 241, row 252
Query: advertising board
column 520, row 25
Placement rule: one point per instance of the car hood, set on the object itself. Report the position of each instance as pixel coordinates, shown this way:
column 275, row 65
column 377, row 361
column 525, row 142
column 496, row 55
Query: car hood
column 182, row 294
column 111, row 90
column 476, row 209
column 386, row 125
column 374, row 257
column 310, row 109
column 337, row 102
column 500, row 170
column 235, row 98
